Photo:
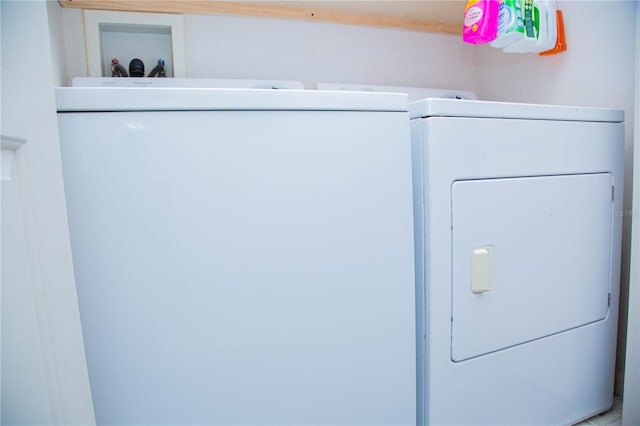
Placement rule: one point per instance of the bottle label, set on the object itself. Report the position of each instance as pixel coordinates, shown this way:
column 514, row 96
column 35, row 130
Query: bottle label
column 473, row 16
column 505, row 17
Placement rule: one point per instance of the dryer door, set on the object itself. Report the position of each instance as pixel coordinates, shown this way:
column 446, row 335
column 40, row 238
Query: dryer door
column 531, row 258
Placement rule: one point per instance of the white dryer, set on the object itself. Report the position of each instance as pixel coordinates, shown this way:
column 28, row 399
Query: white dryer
column 518, row 237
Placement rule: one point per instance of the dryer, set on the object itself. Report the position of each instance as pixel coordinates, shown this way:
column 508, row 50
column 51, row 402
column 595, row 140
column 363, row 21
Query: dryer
column 518, row 234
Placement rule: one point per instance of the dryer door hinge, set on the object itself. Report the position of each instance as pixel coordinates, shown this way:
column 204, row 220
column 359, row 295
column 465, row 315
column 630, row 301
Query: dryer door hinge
column 613, row 190
column 609, row 300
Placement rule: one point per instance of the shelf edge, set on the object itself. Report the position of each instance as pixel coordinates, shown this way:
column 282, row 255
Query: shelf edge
column 284, row 12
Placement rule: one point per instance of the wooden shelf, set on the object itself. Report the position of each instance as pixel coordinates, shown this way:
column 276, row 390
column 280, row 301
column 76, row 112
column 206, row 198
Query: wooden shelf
column 436, row 16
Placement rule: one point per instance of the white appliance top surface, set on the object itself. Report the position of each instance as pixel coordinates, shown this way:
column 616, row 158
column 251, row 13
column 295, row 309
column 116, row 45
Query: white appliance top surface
column 186, row 82
column 415, row 93
column 77, row 99
column 486, row 109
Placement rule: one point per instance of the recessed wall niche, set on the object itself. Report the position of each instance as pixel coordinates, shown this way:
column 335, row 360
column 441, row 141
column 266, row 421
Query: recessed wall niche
column 128, row 35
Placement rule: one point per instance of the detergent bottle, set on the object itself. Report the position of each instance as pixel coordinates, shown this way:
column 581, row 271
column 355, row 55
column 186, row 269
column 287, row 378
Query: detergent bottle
column 540, row 28
column 480, row 21
column 531, row 16
column 510, row 23
column 548, row 27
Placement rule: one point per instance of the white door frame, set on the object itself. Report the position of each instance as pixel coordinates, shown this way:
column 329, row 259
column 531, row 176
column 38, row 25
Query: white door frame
column 46, row 284
column 631, row 396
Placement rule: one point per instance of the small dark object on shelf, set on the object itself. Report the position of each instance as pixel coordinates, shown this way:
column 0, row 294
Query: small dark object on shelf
column 117, row 70
column 159, row 69
column 136, row 68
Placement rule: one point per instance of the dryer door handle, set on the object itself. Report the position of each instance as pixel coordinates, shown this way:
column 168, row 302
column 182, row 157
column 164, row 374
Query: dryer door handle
column 482, row 269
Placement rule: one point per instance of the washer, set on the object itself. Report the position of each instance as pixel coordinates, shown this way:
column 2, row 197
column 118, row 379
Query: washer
column 518, row 237
column 242, row 256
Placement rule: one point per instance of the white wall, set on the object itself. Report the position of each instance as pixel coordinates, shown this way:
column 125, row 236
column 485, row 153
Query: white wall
column 74, row 44
column 244, row 47
column 56, row 32
column 259, row 48
column 596, row 70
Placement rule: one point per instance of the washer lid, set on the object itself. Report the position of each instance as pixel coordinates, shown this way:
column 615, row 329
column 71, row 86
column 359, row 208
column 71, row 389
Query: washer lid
column 78, row 99
column 485, row 109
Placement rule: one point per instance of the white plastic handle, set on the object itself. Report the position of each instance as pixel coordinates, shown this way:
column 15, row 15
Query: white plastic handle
column 482, row 269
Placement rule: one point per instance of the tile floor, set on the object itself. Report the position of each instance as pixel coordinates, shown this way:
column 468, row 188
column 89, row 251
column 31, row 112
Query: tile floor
column 613, row 417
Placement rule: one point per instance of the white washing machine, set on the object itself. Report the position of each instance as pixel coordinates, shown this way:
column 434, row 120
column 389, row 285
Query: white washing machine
column 242, row 256
column 518, row 237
